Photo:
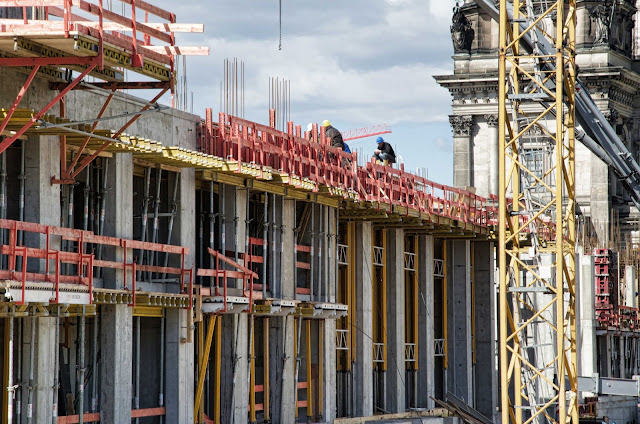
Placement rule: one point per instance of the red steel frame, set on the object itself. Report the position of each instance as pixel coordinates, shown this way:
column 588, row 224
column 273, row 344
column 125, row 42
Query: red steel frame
column 85, row 262
column 71, row 22
column 222, row 275
column 251, row 143
column 372, row 131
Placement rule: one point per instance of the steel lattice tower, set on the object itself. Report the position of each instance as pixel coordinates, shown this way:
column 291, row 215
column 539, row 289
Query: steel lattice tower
column 538, row 359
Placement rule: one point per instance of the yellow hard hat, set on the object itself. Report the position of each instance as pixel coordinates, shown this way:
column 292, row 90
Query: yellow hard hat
column 326, row 123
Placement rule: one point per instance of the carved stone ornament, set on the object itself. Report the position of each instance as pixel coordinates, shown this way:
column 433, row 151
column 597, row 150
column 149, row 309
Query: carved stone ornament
column 601, row 21
column 492, row 120
column 461, row 32
column 461, row 125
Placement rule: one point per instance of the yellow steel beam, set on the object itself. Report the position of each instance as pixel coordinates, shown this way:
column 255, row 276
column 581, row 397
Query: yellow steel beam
column 204, row 359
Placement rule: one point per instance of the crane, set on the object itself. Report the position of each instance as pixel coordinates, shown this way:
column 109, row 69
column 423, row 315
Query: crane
column 371, row 131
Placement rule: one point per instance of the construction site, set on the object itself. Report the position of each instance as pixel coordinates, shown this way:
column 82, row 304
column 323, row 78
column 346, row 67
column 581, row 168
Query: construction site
column 165, row 266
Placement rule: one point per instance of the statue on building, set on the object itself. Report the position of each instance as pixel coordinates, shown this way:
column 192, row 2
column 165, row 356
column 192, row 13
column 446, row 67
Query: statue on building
column 461, row 32
column 601, row 19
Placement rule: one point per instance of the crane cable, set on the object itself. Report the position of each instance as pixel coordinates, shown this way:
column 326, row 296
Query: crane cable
column 280, row 26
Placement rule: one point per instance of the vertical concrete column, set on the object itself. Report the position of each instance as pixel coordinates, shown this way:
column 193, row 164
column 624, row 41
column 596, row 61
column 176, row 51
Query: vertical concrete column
column 630, row 286
column 288, row 286
column 599, row 198
column 282, row 369
column 116, row 364
column 186, row 224
column 396, row 371
column 179, row 368
column 363, row 366
column 587, row 366
column 328, row 329
column 332, row 254
column 118, row 214
column 234, row 368
column 281, row 333
column 485, row 373
column 426, row 332
column 462, row 150
column 42, row 199
column 44, row 348
column 493, row 174
column 235, row 212
column 459, row 374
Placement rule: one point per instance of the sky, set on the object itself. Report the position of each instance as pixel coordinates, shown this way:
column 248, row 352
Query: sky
column 355, row 63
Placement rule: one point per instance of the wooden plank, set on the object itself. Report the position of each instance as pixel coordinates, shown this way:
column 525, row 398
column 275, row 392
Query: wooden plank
column 74, row 419
column 148, row 412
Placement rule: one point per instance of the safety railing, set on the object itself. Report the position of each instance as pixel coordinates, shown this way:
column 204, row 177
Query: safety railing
column 303, row 269
column 254, row 259
column 221, row 276
column 316, row 161
column 78, row 265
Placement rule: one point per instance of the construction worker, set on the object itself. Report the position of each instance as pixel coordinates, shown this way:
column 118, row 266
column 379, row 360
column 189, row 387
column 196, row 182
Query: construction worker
column 384, row 153
column 334, row 134
column 310, row 131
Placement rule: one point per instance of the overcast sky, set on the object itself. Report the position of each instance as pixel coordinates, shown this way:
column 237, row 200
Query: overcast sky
column 354, row 62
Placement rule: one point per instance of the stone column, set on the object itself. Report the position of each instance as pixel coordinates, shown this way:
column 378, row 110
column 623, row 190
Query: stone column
column 587, row 366
column 396, row 371
column 118, row 215
column 426, row 377
column 363, row 367
column 485, row 373
column 462, row 150
column 459, row 374
column 493, row 174
column 116, row 364
column 630, row 286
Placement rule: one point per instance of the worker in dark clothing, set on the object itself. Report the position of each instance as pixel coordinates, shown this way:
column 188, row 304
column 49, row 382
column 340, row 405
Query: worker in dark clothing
column 333, row 134
column 384, row 152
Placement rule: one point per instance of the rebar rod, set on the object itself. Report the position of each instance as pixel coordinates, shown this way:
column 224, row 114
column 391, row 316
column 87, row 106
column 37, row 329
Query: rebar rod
column 172, row 218
column 9, row 364
column 235, row 223
column 31, row 385
column 265, row 234
column 145, row 211
column 274, row 260
column 94, row 366
column 312, row 259
column 162, row 347
column 22, row 177
column 81, row 369
column 136, row 400
column 281, row 252
column 103, row 206
column 156, row 210
column 56, row 372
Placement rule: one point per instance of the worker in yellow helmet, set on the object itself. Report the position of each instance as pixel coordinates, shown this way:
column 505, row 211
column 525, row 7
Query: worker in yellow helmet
column 334, row 134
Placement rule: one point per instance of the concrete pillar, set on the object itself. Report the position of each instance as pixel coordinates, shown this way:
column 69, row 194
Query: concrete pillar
column 328, row 408
column 332, row 247
column 599, row 199
column 630, row 286
column 588, row 364
column 485, row 373
column 459, row 373
column 42, row 409
column 363, row 366
column 42, row 199
column 118, row 215
column 493, row 174
column 287, row 285
column 282, row 369
column 186, row 224
column 462, row 150
column 396, row 371
column 234, row 368
column 116, row 363
column 426, row 377
column 235, row 214
column 179, row 368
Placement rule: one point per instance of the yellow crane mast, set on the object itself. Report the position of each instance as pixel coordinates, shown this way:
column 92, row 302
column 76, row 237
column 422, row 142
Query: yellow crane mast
column 537, row 322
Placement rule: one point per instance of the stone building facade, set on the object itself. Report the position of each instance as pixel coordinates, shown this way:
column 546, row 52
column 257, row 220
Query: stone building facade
column 608, row 58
